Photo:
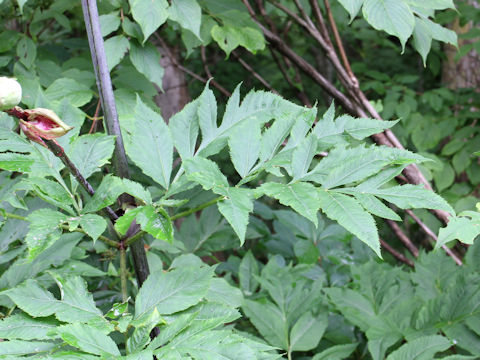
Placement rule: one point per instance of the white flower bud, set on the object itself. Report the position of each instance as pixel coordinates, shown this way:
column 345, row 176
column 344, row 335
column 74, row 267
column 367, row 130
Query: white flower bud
column 10, row 93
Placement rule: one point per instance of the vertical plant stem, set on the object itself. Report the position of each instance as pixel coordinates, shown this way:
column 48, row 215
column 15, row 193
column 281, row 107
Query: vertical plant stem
column 123, row 273
column 104, row 83
column 107, row 99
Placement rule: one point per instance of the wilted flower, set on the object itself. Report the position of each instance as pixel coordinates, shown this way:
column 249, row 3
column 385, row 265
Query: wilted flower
column 10, row 93
column 43, row 124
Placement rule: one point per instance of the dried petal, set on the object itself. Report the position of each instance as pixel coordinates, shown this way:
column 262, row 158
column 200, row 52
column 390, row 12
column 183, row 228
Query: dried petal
column 43, row 124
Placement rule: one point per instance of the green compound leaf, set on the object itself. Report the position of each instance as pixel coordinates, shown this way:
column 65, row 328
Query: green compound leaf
column 44, row 230
column 115, row 49
column 244, row 144
column 204, row 172
column 33, row 299
column 90, row 152
column 149, row 14
column 151, row 139
column 236, row 206
column 154, row 221
column 146, row 60
column 172, row 291
column 352, row 6
column 392, row 16
column 423, row 348
column 94, row 225
column 301, row 197
column 459, row 228
column 88, row 339
column 350, row 214
column 188, row 14
column 23, row 327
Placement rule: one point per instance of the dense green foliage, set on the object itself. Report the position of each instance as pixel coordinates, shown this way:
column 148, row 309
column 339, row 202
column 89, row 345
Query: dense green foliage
column 261, row 218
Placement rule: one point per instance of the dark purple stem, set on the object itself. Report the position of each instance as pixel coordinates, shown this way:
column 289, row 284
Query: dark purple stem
column 104, row 83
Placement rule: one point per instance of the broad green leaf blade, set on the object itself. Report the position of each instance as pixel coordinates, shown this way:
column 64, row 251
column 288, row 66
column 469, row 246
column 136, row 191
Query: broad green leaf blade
column 49, row 191
column 236, row 206
column 422, row 39
column 303, row 124
column 269, row 321
column 352, row 6
column 257, row 107
column 244, row 144
column 230, row 37
column 207, row 117
column 123, row 222
column 337, row 352
column 109, row 23
column 137, row 190
column 392, row 16
column 221, row 291
column 362, row 128
column 11, row 145
column 107, row 193
column 343, row 166
column 425, row 30
column 423, row 348
column 23, row 327
column 88, row 339
column 348, row 213
column 301, row 197
column 204, row 172
column 111, row 188
column 146, row 60
column 90, row 152
column 172, row 291
column 376, row 207
column 115, row 49
column 44, row 230
column 432, row 4
column 77, row 304
column 307, row 331
column 274, row 136
column 19, row 347
column 413, row 197
column 380, row 179
column 141, row 335
column 94, row 225
column 188, row 14
column 355, row 306
column 33, row 299
column 151, row 140
column 15, row 162
column 247, row 272
column 156, row 222
column 459, row 228
column 76, row 93
column 303, row 155
column 149, row 14
column 184, row 128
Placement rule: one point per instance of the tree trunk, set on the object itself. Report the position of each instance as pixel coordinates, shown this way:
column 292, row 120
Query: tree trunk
column 464, row 73
column 175, row 91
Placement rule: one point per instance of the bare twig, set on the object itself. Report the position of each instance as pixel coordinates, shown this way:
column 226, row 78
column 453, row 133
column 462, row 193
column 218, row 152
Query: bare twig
column 319, row 18
column 399, row 256
column 434, row 237
column 203, row 55
column 338, row 40
column 301, row 95
column 254, row 73
column 403, row 238
column 188, row 71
